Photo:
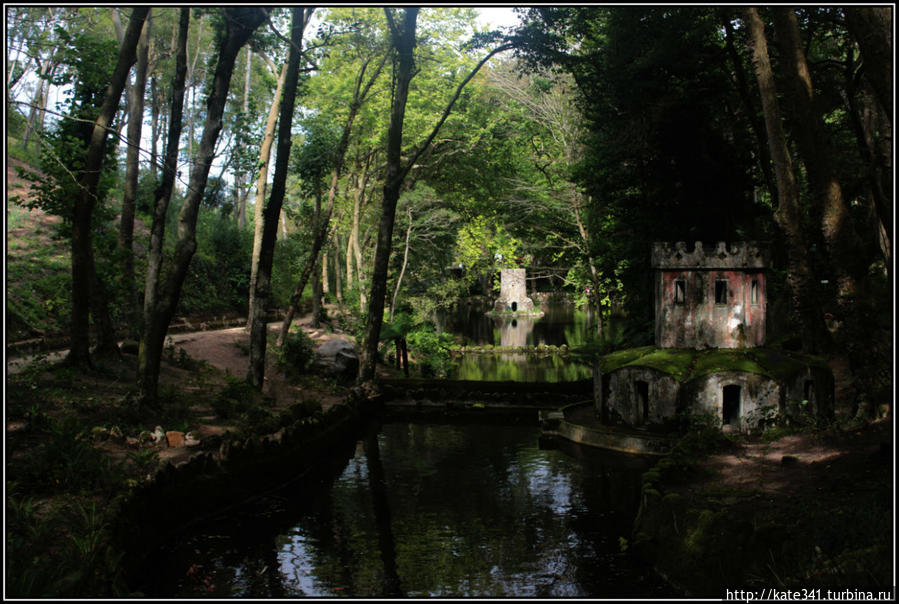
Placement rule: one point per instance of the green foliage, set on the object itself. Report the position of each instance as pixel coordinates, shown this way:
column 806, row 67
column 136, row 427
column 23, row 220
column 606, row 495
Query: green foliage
column 60, row 550
column 236, row 397
column 219, row 275
column 483, row 246
column 296, row 356
column 431, row 350
column 66, row 461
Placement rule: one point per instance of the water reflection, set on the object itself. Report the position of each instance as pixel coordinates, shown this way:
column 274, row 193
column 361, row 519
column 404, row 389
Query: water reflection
column 561, row 324
column 431, row 510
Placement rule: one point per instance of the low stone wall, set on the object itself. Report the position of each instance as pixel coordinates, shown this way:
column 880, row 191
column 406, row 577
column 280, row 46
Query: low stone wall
column 555, row 424
column 228, row 474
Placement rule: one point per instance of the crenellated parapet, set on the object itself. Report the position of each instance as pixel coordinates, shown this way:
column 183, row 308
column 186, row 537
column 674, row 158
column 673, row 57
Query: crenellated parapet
column 742, row 255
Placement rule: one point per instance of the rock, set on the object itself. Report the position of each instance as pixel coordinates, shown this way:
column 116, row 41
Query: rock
column 158, row 435
column 174, row 438
column 190, row 440
column 132, row 442
column 116, row 433
column 338, row 357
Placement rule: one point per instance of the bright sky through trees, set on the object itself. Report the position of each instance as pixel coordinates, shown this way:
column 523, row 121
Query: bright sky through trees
column 497, row 16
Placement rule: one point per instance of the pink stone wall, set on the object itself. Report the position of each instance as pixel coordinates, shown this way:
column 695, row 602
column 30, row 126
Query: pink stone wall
column 698, row 321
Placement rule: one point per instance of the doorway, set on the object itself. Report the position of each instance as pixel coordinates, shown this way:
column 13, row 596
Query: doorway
column 643, row 398
column 730, row 407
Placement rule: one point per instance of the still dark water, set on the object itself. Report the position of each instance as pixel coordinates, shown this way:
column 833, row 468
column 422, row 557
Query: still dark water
column 562, row 324
column 423, row 510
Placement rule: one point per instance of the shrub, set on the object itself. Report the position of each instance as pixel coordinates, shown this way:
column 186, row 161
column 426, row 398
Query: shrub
column 295, row 357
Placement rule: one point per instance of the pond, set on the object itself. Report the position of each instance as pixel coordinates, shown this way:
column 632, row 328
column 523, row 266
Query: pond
column 562, row 324
column 427, row 510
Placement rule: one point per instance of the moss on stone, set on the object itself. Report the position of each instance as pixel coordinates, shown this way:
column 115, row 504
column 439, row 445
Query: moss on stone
column 673, row 361
column 684, row 364
column 620, row 358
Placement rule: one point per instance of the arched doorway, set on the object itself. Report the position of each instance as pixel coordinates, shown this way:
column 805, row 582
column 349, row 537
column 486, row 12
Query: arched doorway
column 730, row 407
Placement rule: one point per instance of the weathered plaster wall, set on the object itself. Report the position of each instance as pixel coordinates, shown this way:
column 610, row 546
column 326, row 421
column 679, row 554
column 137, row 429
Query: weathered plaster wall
column 689, row 313
column 760, row 397
column 625, row 400
column 512, row 289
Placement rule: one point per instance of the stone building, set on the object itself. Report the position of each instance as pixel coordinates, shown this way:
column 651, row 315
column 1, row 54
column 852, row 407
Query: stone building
column 513, row 296
column 709, row 358
column 710, row 296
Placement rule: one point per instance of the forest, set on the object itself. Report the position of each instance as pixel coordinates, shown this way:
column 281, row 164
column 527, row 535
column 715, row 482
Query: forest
column 267, row 163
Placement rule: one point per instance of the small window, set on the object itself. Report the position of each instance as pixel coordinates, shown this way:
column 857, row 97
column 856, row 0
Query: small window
column 680, row 291
column 754, row 292
column 721, row 291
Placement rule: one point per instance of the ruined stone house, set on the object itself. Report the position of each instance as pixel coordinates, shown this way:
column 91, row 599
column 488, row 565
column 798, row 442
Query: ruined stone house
column 710, row 304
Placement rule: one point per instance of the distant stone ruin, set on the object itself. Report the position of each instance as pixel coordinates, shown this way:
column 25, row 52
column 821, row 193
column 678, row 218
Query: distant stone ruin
column 513, row 297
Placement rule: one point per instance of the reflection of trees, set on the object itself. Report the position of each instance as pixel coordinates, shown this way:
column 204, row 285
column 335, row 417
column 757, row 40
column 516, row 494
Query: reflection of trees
column 445, row 511
column 382, row 515
column 521, row 367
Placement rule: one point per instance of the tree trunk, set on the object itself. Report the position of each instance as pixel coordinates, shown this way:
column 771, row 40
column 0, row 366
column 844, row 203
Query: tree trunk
column 258, row 329
column 154, row 127
column 153, row 334
column 338, row 286
column 316, row 278
column 814, row 147
column 238, row 173
column 787, row 215
column 872, row 28
column 129, row 193
column 82, row 214
column 404, row 42
column 399, row 279
column 261, row 180
column 240, row 22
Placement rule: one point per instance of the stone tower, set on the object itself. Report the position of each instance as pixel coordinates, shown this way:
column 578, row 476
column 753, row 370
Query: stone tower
column 513, row 295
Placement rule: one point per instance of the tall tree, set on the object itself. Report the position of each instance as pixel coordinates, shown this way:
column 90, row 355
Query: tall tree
column 162, row 298
column 828, row 202
column 404, row 41
column 147, row 354
column 129, row 189
column 83, row 272
column 265, row 151
column 403, row 37
column 272, row 212
column 788, row 214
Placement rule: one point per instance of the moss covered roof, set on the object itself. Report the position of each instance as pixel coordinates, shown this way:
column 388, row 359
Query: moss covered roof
column 684, row 364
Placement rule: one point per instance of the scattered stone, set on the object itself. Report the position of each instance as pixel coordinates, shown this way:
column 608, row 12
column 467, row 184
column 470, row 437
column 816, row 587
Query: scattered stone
column 158, row 435
column 174, row 438
column 132, row 442
column 116, row 433
column 338, row 357
column 190, row 440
